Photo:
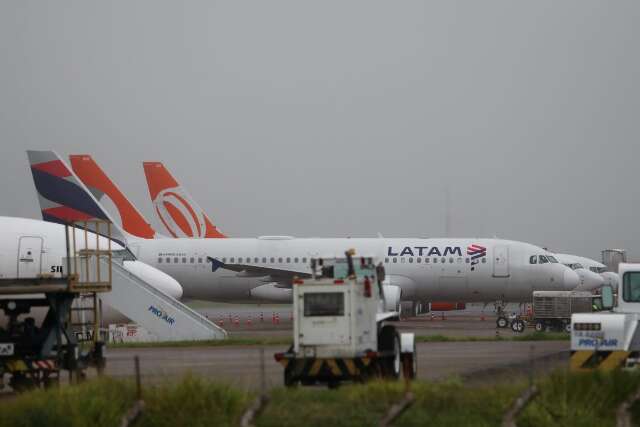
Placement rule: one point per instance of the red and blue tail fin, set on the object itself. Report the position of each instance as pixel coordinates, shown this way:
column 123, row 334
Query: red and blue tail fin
column 62, row 196
column 100, row 185
column 178, row 212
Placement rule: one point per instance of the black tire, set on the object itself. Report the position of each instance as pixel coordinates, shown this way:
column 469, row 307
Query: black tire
column 539, row 326
column 389, row 345
column 289, row 380
column 502, row 322
column 518, row 326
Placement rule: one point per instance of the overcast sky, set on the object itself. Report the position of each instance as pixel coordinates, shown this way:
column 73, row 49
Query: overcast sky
column 341, row 118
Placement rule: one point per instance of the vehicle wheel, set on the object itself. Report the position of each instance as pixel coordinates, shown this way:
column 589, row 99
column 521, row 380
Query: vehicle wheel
column 289, row 380
column 502, row 322
column 539, row 326
column 517, row 326
column 389, row 345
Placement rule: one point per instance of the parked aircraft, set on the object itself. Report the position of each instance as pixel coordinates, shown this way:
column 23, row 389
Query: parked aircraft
column 241, row 269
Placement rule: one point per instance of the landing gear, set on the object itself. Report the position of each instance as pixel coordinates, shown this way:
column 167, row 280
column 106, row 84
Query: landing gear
column 518, row 326
column 501, row 322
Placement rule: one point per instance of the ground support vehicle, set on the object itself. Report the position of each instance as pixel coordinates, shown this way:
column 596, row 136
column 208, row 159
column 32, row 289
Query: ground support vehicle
column 33, row 355
column 343, row 330
column 610, row 339
column 552, row 310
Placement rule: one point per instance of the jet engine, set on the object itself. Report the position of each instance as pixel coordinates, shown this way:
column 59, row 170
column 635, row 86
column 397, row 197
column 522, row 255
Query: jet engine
column 392, row 296
column 272, row 293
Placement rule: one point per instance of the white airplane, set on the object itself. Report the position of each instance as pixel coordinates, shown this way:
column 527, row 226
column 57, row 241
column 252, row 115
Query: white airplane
column 589, row 280
column 609, row 277
column 30, row 248
column 250, row 269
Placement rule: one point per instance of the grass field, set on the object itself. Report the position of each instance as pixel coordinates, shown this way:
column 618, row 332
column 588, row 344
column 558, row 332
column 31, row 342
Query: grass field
column 565, row 399
column 534, row 336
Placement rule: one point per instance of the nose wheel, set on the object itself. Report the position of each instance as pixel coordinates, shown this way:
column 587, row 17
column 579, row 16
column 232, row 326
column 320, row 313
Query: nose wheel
column 502, row 322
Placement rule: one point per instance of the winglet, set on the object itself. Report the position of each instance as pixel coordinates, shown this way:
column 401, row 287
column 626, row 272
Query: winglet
column 62, row 196
column 99, row 184
column 178, row 212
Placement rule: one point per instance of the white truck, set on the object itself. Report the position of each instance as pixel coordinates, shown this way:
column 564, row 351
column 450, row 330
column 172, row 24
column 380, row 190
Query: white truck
column 611, row 339
column 342, row 329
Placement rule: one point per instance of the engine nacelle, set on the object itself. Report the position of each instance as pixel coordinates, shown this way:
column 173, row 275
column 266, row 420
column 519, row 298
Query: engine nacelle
column 392, row 296
column 271, row 292
column 154, row 277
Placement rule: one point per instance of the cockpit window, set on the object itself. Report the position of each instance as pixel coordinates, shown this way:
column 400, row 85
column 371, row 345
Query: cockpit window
column 543, row 259
column 552, row 260
column 577, row 266
column 533, row 259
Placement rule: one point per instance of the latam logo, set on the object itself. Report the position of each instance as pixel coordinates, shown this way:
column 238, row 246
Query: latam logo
column 476, row 252
column 424, row 251
column 177, row 215
column 161, row 314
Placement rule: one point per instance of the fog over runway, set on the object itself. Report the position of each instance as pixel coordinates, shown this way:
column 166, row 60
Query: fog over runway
column 525, row 113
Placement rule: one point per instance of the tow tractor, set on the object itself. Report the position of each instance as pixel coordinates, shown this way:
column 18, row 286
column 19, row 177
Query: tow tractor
column 341, row 326
column 609, row 340
column 33, row 353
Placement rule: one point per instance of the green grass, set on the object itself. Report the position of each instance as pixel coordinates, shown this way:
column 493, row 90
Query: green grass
column 533, row 336
column 565, row 399
column 191, row 402
column 263, row 341
column 285, row 341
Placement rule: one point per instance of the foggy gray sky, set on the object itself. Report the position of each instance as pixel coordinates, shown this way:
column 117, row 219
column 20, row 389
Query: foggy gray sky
column 340, row 118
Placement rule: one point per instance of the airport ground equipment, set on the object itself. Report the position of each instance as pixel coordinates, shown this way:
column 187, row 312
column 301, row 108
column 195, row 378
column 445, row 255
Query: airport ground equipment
column 552, row 310
column 31, row 354
column 610, row 339
column 341, row 330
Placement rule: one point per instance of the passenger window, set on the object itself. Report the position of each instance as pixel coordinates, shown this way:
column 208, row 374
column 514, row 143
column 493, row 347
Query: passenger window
column 296, row 260
column 288, row 260
column 176, row 260
column 395, row 260
column 386, row 260
column 484, row 260
column 199, row 260
column 224, row 260
column 168, row 260
column 280, row 260
column 304, row 260
column 459, row 260
column 159, row 260
column 256, row 260
column 426, row 260
column 435, row 260
column 443, row 260
column 450, row 260
column 273, row 260
column 192, row 260
column 410, row 260
column 418, row 260
column 264, row 260
column 533, row 259
column 184, row 260
column 402, row 260
column 467, row 260
column 232, row 260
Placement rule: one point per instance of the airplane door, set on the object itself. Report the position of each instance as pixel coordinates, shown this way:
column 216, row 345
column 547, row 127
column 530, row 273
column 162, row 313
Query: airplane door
column 501, row 261
column 29, row 257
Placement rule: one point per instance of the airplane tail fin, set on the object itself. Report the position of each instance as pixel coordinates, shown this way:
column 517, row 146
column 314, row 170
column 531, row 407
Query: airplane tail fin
column 100, row 185
column 63, row 197
column 178, row 212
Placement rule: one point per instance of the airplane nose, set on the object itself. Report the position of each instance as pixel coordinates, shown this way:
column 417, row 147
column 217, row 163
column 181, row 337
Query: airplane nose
column 570, row 279
column 589, row 280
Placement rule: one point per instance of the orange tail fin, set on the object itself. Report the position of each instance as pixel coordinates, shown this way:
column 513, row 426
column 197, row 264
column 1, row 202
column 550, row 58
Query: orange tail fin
column 100, row 185
column 178, row 212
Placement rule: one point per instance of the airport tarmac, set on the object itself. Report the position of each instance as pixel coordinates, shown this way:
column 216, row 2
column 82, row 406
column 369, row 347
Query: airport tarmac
column 240, row 365
column 482, row 361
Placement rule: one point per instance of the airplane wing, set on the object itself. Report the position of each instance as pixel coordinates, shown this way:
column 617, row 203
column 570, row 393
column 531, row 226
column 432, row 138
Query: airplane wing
column 283, row 277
